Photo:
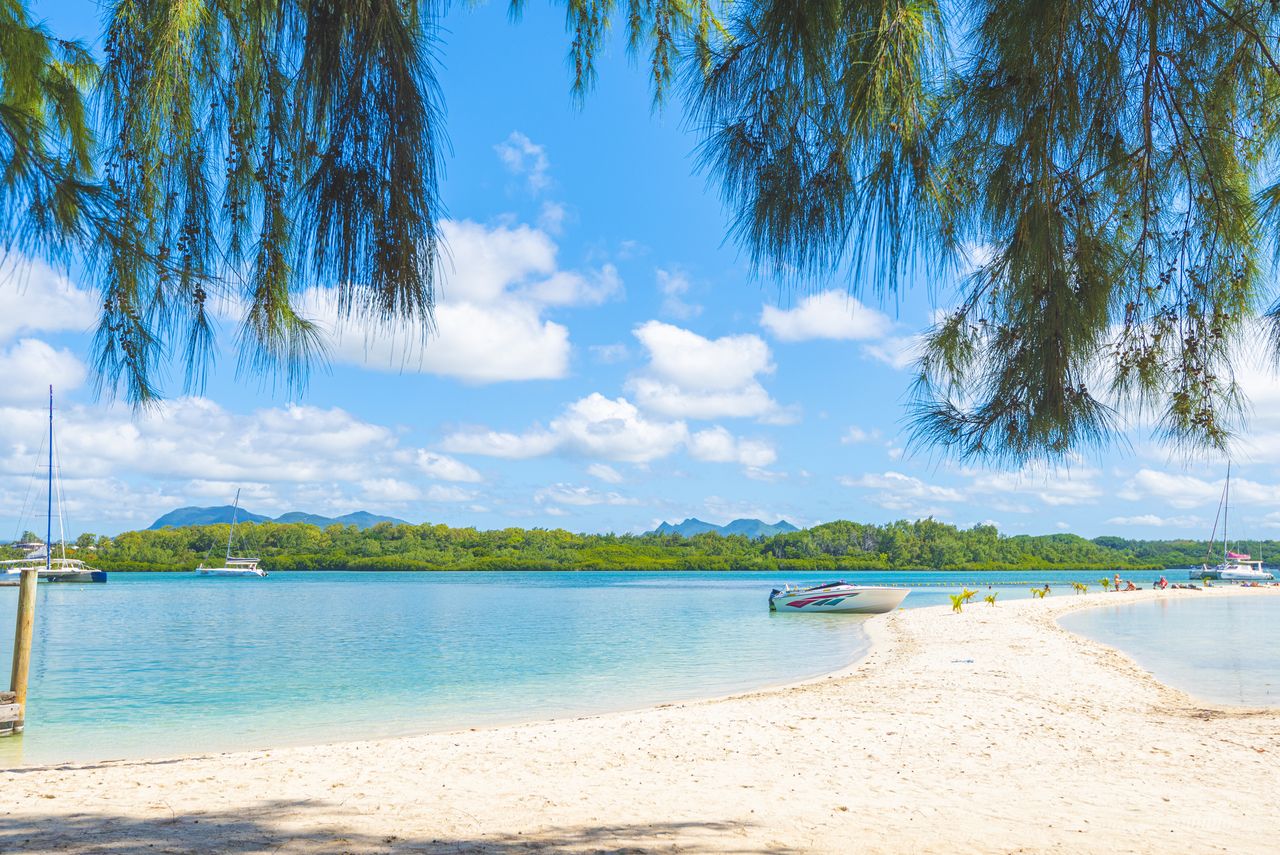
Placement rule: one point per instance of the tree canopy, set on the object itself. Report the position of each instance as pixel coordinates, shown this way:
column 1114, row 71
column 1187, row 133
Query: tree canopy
column 1097, row 175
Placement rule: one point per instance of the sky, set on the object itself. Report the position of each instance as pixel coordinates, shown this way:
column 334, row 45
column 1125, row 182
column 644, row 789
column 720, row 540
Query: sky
column 605, row 359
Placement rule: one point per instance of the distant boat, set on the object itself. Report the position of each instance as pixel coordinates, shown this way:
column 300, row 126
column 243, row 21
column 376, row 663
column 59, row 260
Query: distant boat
column 233, row 566
column 837, row 598
column 48, row 568
column 1235, row 566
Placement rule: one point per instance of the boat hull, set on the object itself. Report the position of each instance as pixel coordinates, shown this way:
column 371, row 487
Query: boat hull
column 230, row 572
column 80, row 576
column 848, row 599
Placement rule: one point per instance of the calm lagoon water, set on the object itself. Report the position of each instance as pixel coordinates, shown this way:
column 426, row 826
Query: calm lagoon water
column 164, row 663
column 1225, row 649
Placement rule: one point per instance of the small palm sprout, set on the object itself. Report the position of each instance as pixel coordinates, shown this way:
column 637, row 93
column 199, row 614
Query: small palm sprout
column 991, row 598
column 957, row 602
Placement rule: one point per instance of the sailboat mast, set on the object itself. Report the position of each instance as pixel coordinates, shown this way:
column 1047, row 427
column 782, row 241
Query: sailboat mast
column 234, row 510
column 48, row 532
column 1226, row 508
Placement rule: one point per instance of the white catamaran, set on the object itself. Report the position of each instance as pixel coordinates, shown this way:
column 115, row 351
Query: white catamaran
column 50, row 569
column 233, row 566
column 1235, row 566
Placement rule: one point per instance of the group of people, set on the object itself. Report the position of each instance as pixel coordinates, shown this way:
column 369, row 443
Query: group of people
column 1129, row 586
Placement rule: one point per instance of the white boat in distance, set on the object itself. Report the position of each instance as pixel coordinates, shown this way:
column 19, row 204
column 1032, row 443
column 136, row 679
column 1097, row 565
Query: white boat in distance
column 1235, row 566
column 836, row 598
column 233, row 566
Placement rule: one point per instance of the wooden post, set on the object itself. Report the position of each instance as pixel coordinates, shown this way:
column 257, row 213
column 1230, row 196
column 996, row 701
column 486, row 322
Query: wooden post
column 22, row 643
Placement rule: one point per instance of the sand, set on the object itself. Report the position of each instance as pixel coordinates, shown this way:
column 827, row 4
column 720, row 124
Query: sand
column 990, row 731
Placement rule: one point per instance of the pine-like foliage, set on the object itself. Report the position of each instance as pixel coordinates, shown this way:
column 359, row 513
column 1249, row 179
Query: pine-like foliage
column 1106, row 160
column 46, row 194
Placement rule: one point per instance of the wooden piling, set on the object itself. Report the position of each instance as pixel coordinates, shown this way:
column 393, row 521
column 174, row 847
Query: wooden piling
column 22, row 645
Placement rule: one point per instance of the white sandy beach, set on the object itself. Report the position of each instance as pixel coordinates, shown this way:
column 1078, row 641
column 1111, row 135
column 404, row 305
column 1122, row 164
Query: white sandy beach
column 990, row 731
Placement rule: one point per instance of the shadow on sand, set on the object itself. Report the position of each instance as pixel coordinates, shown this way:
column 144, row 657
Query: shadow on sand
column 307, row 826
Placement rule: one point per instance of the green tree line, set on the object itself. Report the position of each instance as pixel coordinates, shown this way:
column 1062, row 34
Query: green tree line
column 841, row 545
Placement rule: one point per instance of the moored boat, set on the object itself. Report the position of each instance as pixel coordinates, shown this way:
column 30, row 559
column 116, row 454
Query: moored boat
column 837, row 598
column 232, row 566
column 1235, row 566
column 59, row 570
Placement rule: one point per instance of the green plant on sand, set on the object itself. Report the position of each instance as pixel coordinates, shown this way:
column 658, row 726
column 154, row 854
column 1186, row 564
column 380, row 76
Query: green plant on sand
column 957, row 602
column 1105, row 583
column 991, row 598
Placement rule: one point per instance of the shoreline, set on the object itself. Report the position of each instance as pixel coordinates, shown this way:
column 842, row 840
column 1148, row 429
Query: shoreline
column 992, row 729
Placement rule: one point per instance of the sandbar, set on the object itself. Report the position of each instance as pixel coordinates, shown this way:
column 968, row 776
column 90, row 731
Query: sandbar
column 993, row 730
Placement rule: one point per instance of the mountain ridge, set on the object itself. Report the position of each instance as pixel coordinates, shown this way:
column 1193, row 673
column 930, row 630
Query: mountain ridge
column 189, row 516
column 751, row 528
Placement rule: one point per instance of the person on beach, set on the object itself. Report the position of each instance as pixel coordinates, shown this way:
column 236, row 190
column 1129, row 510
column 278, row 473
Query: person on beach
column 1163, row 583
column 1130, row 586
column 1116, row 584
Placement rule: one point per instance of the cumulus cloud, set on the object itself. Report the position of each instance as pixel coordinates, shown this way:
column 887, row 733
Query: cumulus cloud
column 445, row 468
column 826, row 315
column 35, row 298
column 126, row 467
column 490, row 324
column 690, row 376
column 855, row 435
column 1155, row 521
column 612, row 429
column 568, row 494
column 899, row 490
column 30, row 366
column 605, row 473
column 673, row 285
column 522, row 156
column 717, row 445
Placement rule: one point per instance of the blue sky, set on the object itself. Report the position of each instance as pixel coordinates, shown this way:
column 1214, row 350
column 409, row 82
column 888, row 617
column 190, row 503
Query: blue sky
column 605, row 360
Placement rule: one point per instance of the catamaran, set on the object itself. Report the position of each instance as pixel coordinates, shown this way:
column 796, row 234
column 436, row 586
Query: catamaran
column 1235, row 566
column 232, row 565
column 836, row 598
column 48, row 568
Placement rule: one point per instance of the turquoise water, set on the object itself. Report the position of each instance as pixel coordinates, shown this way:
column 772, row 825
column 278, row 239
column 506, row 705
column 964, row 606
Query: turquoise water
column 1224, row 649
column 156, row 664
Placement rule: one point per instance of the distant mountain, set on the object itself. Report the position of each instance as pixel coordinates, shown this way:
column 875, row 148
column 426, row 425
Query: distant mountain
column 183, row 517
column 749, row 528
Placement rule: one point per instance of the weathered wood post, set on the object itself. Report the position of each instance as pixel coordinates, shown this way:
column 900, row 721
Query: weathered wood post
column 15, row 713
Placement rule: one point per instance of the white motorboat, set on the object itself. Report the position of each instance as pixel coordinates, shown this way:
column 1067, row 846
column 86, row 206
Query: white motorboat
column 232, row 566
column 1235, row 566
column 837, row 598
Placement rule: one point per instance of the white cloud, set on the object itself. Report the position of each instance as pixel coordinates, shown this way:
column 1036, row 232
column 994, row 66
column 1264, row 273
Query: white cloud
column 689, row 376
column 35, row 298
column 614, row 429
column 522, row 156
column 898, row 487
column 30, row 366
column 388, row 490
column 895, row 351
column 1053, row 487
column 609, row 353
column 1155, row 521
column 445, row 494
column 855, row 435
column 594, row 426
column 717, row 445
column 826, row 315
column 489, row 313
column 445, row 468
column 605, row 473
column 552, row 217
column 673, row 285
column 568, row 494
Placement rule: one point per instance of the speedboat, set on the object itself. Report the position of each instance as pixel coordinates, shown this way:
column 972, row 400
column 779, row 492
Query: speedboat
column 836, row 598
